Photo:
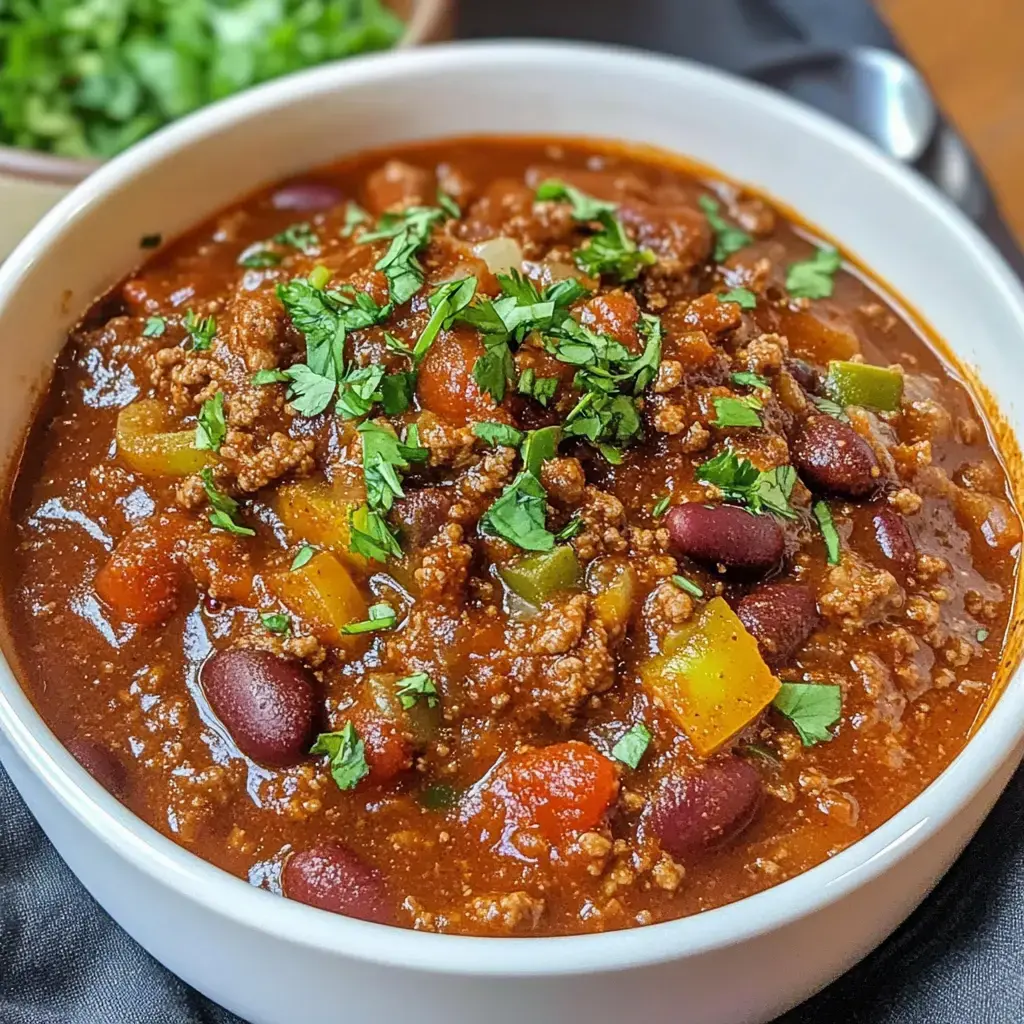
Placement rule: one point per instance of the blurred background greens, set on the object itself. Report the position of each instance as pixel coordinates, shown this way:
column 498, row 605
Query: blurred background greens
column 87, row 78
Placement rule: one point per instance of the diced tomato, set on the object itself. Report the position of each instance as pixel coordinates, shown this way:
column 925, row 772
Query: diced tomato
column 707, row 313
column 446, row 384
column 616, row 314
column 561, row 789
column 141, row 581
column 388, row 751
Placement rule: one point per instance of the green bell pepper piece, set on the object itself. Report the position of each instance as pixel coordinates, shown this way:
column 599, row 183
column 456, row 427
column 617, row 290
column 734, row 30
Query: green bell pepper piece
column 874, row 387
column 536, row 577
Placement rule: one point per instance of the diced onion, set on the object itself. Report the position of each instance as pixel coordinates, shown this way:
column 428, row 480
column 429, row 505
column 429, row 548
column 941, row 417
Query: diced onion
column 501, row 254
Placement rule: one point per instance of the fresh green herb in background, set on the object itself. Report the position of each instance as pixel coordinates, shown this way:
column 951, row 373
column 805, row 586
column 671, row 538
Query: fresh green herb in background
column 632, row 745
column 90, row 77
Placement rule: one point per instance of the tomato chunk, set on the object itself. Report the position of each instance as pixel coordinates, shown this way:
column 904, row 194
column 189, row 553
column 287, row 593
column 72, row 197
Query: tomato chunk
column 141, row 582
column 446, row 384
column 563, row 788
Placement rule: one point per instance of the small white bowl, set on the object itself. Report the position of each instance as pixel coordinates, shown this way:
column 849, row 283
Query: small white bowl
column 276, row 962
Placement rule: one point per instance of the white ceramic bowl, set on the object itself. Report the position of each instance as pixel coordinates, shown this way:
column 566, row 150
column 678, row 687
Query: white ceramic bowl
column 276, row 962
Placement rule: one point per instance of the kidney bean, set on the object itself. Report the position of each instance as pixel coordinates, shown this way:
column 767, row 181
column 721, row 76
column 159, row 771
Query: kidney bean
column 333, row 878
column 894, row 538
column 700, row 810
column 805, row 375
column 831, row 456
column 726, row 535
column 101, row 763
column 421, row 513
column 268, row 704
column 306, row 195
column 780, row 616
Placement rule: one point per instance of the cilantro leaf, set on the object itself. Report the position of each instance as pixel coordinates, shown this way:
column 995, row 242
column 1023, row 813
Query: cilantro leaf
column 829, row 533
column 409, row 232
column 397, row 390
column 570, row 530
column 499, row 434
column 211, row 428
column 830, row 408
column 358, row 390
column 302, row 556
column 299, row 236
column 539, row 446
column 750, row 380
column 743, row 297
column 261, row 377
column 370, row 535
column 309, row 392
column 383, row 455
column 736, row 412
column 258, row 257
column 495, row 369
column 813, row 708
column 201, row 331
column 728, row 237
column 416, row 687
column 448, row 204
column 774, row 486
column 155, row 327
column 381, row 616
column 584, row 207
column 661, row 506
column 447, row 302
column 814, row 278
column 519, row 515
column 276, row 622
column 224, row 506
column 632, row 745
column 354, row 216
column 346, row 753
column 740, row 480
column 541, row 389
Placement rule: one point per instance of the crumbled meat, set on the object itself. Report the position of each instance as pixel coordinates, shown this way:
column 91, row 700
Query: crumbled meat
column 504, row 912
column 604, row 522
column 766, row 353
column 667, row 608
column 444, row 566
column 477, row 488
column 670, row 375
column 564, row 480
column 449, row 445
column 254, row 467
column 559, row 629
column 856, row 593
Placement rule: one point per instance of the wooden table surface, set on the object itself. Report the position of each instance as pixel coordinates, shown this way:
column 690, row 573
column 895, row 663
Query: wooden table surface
column 972, row 53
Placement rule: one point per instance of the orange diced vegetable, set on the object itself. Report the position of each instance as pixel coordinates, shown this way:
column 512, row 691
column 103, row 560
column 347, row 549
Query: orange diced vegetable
column 316, row 512
column 141, row 581
column 562, row 788
column 711, row 677
column 991, row 518
column 145, row 443
column 324, row 595
column 811, row 337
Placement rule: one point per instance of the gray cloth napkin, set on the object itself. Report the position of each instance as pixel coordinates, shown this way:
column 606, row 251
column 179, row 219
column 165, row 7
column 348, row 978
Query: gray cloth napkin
column 63, row 960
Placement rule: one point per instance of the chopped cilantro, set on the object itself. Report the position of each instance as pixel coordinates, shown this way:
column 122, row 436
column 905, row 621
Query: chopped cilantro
column 830, row 408
column 728, row 237
column 370, row 535
column 397, row 390
column 541, row 389
column 155, row 327
column 632, row 745
column 688, row 586
column 299, row 236
column 539, row 446
column 610, row 250
column 749, row 380
column 499, row 434
column 211, row 428
column 823, row 516
column 383, row 455
column 258, row 257
column 571, row 528
column 743, row 297
column 261, row 377
column 224, row 506
column 520, row 515
column 276, row 622
column 201, row 331
column 813, row 708
column 382, row 616
column 448, row 204
column 981, row 635
column 661, row 506
column 354, row 216
column 447, row 302
column 409, row 232
column 346, row 753
column 740, row 480
column 736, row 412
column 495, row 369
column 302, row 556
column 415, row 687
column 813, row 278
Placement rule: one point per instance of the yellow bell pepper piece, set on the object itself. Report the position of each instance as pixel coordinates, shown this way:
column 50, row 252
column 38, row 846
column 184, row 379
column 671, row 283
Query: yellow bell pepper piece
column 323, row 594
column 316, row 512
column 612, row 581
column 711, row 678
column 144, row 442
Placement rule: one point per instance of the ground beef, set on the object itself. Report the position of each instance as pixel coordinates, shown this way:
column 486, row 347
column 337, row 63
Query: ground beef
column 856, row 593
column 604, row 525
column 444, row 566
column 255, row 467
column 504, row 911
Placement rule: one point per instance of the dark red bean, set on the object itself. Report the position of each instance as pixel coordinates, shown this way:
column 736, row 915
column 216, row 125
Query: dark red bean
column 698, row 811
column 268, row 704
column 333, row 878
column 894, row 538
column 780, row 616
column 805, row 375
column 306, row 195
column 420, row 514
column 831, row 456
column 726, row 535
column 101, row 763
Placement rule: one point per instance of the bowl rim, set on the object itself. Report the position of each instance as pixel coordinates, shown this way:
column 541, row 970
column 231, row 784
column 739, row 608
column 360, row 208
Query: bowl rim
column 426, row 22
column 126, row 836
